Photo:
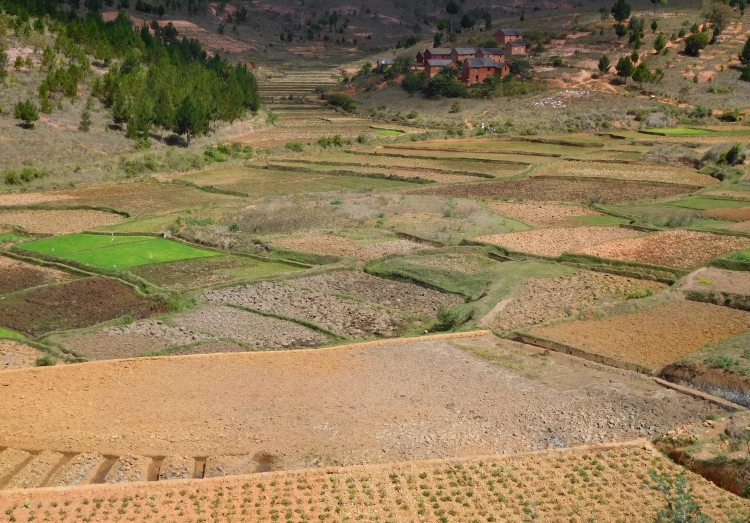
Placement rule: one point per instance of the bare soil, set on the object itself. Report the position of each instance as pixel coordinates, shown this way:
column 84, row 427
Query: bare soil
column 36, row 471
column 18, row 275
column 542, row 214
column 377, row 403
column 550, row 299
column 259, row 331
column 211, row 347
column 392, row 294
column 554, row 189
column 554, row 242
column 655, row 336
column 128, row 469
column 339, row 315
column 77, row 304
column 16, row 355
column 132, row 340
column 711, row 279
column 59, row 222
column 681, row 248
column 80, row 470
column 733, row 215
column 329, row 244
column 28, row 198
column 554, row 485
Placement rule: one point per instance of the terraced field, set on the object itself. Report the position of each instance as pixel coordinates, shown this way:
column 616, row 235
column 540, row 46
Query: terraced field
column 635, row 171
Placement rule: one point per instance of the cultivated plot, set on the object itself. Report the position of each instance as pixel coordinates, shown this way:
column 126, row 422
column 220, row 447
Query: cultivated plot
column 654, row 336
column 17, row 355
column 58, row 222
column 542, row 214
column 335, row 245
column 79, row 303
column 559, row 486
column 558, row 189
column 647, row 172
column 681, row 248
column 18, row 275
column 554, row 242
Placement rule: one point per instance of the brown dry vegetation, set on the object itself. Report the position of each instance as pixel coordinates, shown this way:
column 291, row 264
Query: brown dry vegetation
column 542, row 214
column 636, row 171
column 58, row 222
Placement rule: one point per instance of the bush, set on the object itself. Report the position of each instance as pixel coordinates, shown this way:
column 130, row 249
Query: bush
column 347, row 103
column 735, row 155
column 45, row 361
column 731, row 114
column 447, row 319
column 331, row 141
column 26, row 111
column 722, row 362
column 214, row 155
column 695, row 43
column 681, row 506
column 412, row 114
column 556, row 61
column 638, row 294
column 296, row 147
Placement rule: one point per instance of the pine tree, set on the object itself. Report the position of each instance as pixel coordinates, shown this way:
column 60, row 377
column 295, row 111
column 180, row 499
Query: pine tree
column 604, row 64
column 85, row 123
column 624, row 68
column 26, row 111
column 745, row 54
column 660, row 43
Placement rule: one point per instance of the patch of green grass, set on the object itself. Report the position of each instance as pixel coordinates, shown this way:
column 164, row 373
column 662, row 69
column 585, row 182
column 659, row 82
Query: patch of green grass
column 706, row 282
column 7, row 333
column 9, row 238
column 152, row 224
column 45, row 361
column 60, row 245
column 601, row 220
column 389, row 132
column 127, row 255
column 680, row 131
column 703, row 204
column 740, row 256
column 638, row 294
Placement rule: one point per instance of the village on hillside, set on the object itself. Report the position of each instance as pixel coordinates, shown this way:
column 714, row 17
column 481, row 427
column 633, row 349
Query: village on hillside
column 475, row 63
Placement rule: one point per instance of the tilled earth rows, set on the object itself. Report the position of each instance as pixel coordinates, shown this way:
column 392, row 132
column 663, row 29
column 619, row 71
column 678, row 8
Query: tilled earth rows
column 549, row 299
column 18, row 275
column 132, row 340
column 329, row 244
column 393, row 294
column 336, row 314
column 542, row 214
column 554, row 242
column 259, row 331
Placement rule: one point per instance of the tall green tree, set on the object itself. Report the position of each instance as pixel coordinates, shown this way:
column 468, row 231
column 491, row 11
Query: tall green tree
column 745, row 53
column 624, row 68
column 660, row 43
column 620, row 11
column 27, row 112
column 452, row 8
column 654, row 26
column 190, row 118
column 641, row 74
column 695, row 43
column 604, row 64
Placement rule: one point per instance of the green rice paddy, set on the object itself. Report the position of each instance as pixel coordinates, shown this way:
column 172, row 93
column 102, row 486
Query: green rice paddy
column 116, row 252
column 389, row 132
column 703, row 204
column 8, row 238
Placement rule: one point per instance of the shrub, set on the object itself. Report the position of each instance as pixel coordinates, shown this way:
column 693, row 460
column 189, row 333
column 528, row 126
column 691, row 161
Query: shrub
column 412, row 114
column 12, row 178
column 296, row 147
column 681, row 507
column 446, row 320
column 45, row 361
column 721, row 361
column 272, row 117
column 331, row 141
column 735, row 155
column 556, row 61
column 638, row 294
column 730, row 114
column 347, row 103
column 695, row 43
column 214, row 155
column 26, row 111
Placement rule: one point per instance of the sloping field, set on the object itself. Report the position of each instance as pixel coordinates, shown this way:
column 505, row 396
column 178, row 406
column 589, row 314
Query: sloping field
column 542, row 214
column 266, row 182
column 378, row 402
column 593, row 483
column 554, row 242
column 648, row 172
column 58, row 222
column 554, row 189
column 18, row 275
column 735, row 215
column 17, row 355
column 497, row 169
column 80, row 303
column 490, row 145
column 681, row 248
column 655, row 336
column 330, row 244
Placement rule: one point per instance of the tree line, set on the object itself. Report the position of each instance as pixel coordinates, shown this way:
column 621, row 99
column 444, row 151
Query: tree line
column 156, row 80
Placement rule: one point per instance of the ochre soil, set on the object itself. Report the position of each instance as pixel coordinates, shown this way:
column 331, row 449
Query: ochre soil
column 18, row 275
column 711, row 279
column 593, row 484
column 331, row 245
column 16, row 355
column 684, row 249
column 80, row 303
column 370, row 403
column 734, row 215
column 655, row 336
column 542, row 214
column 59, row 222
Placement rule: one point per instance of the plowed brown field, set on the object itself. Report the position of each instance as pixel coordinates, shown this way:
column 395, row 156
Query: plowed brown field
column 653, row 337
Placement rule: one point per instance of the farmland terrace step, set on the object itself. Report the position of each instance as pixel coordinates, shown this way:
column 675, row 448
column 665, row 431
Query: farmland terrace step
column 21, row 469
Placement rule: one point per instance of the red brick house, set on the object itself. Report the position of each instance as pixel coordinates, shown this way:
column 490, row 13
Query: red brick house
column 504, row 36
column 433, row 67
column 437, row 53
column 462, row 53
column 516, row 47
column 420, row 58
column 475, row 70
column 496, row 53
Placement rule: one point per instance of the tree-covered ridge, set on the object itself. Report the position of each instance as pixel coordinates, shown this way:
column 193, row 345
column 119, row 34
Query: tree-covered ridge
column 155, row 79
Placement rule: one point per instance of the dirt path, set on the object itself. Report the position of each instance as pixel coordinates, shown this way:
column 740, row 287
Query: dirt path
column 467, row 120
